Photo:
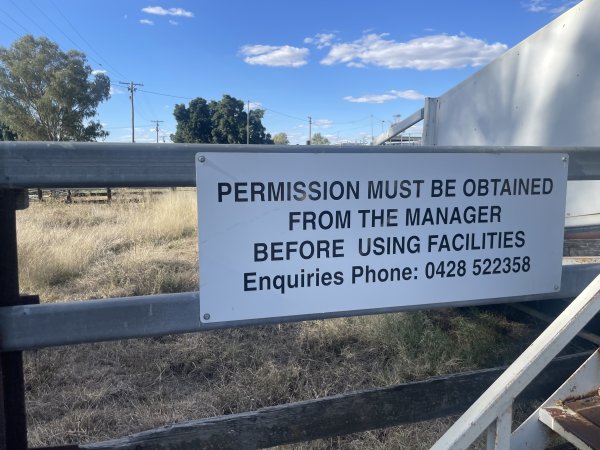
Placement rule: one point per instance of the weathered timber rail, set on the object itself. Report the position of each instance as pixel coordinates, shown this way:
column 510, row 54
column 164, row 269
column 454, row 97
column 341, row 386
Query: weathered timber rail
column 340, row 414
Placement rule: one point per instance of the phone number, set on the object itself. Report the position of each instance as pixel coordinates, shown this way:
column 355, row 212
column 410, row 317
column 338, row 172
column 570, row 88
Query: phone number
column 478, row 267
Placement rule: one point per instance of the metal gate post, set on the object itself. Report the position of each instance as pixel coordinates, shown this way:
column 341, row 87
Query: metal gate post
column 12, row 393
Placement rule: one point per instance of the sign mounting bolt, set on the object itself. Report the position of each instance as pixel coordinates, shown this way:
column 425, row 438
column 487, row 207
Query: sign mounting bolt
column 201, row 158
column 206, row 316
column 564, row 158
column 556, row 287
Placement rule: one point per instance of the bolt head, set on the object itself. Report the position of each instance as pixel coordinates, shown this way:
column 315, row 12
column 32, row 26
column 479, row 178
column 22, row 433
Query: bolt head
column 206, row 316
column 201, row 158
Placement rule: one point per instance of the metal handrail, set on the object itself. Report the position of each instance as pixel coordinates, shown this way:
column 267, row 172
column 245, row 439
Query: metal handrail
column 493, row 410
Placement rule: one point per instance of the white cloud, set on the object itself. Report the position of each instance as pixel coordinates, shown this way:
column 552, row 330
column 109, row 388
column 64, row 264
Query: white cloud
column 160, row 11
column 275, row 56
column 562, row 8
column 253, row 106
column 146, row 22
column 321, row 40
column 115, row 90
column 537, row 6
column 433, row 52
column 98, row 71
column 323, row 123
column 173, row 22
column 382, row 98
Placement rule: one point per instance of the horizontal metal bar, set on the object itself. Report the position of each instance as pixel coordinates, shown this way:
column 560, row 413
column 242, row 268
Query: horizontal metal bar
column 27, row 327
column 98, row 164
column 399, row 127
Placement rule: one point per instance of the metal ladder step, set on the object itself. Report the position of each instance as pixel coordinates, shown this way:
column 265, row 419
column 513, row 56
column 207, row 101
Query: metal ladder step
column 577, row 397
column 577, row 421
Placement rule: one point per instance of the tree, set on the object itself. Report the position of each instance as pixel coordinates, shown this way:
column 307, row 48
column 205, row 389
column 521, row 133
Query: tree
column 49, row 95
column 194, row 124
column 258, row 133
column 222, row 122
column 6, row 134
column 229, row 121
column 319, row 139
column 281, row 139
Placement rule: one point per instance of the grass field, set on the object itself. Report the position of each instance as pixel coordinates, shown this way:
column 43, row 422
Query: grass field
column 93, row 392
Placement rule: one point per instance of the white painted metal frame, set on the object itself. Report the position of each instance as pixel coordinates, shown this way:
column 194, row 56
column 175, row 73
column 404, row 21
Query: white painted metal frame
column 491, row 408
column 532, row 434
column 397, row 128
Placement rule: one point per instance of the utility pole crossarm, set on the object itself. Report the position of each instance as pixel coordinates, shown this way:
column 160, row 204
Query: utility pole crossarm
column 157, row 129
column 131, row 87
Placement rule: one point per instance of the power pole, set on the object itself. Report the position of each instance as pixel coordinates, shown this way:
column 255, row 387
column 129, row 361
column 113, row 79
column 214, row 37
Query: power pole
column 248, row 125
column 157, row 122
column 309, row 130
column 131, row 87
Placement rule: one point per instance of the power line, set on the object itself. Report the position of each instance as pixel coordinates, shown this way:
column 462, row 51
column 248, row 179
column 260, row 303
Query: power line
column 190, row 98
column 148, row 106
column 166, row 95
column 62, row 32
column 353, row 121
column 29, row 18
column 308, row 120
column 86, row 41
column 8, row 27
column 4, row 13
column 57, row 27
column 284, row 114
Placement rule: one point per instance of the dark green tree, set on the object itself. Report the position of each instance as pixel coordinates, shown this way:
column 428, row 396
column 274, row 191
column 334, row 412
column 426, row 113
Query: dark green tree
column 258, row 133
column 6, row 134
column 229, row 121
column 194, row 123
column 49, row 95
column 218, row 122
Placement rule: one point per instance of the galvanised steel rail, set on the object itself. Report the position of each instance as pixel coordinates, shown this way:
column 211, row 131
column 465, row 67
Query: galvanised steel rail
column 54, row 165
column 26, row 327
column 90, row 165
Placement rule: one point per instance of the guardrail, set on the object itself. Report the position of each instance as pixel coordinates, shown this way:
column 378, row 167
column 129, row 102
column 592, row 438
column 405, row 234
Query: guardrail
column 90, row 165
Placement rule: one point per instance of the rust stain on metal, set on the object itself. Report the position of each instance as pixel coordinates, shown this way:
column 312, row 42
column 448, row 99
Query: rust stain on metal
column 587, row 407
column 581, row 418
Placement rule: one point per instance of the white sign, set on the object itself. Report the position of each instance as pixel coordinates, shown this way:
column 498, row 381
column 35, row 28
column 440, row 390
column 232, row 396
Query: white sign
column 287, row 234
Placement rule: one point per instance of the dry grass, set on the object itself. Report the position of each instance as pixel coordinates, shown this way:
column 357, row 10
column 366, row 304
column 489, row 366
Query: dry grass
column 92, row 392
column 69, row 251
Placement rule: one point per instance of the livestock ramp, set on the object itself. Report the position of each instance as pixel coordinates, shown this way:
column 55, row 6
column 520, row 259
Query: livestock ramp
column 545, row 91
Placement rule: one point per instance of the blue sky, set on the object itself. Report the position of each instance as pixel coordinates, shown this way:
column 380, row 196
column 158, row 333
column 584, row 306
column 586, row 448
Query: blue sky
column 352, row 66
